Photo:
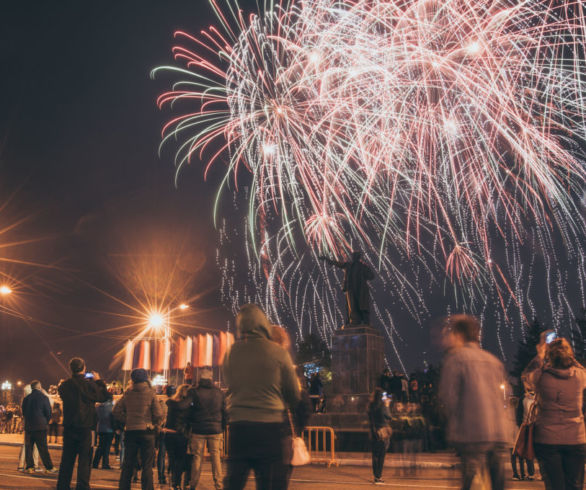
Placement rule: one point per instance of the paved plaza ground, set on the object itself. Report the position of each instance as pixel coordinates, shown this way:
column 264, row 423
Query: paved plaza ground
column 434, row 472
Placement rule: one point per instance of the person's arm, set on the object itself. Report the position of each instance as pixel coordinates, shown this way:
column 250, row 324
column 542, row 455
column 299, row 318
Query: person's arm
column 47, row 409
column 449, row 386
column 93, row 391
column 335, row 263
column 119, row 411
column 532, row 373
column 224, row 412
column 156, row 411
column 25, row 403
column 290, row 384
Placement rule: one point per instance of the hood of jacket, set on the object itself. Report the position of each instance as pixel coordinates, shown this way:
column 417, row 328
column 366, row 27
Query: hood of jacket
column 561, row 373
column 254, row 324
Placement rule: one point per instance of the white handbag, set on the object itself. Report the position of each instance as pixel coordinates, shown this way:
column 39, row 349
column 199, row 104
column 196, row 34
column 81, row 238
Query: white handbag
column 300, row 454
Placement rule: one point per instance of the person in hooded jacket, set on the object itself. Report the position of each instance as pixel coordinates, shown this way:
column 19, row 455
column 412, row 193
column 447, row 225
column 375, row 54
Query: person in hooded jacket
column 261, row 385
column 140, row 412
column 560, row 437
column 105, row 430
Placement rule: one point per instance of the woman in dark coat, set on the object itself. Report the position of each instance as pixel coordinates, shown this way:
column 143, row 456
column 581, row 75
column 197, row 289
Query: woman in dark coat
column 380, row 432
column 175, row 439
column 560, row 437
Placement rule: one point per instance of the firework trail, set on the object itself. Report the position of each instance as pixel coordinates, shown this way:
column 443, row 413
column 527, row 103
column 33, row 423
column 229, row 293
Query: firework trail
column 440, row 137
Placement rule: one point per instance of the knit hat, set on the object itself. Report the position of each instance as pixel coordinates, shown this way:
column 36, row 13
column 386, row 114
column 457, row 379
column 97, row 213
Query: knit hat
column 206, row 374
column 139, row 376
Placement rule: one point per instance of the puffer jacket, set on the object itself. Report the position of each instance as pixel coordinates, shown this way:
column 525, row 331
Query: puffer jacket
column 560, row 394
column 139, row 408
column 260, row 376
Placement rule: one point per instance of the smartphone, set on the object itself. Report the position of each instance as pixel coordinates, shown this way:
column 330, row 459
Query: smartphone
column 385, row 396
column 89, row 375
column 550, row 337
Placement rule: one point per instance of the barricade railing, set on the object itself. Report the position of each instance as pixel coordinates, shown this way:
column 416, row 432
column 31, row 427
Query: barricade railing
column 321, row 444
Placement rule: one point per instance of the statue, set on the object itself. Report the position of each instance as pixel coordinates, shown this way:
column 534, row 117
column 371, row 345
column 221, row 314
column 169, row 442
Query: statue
column 355, row 285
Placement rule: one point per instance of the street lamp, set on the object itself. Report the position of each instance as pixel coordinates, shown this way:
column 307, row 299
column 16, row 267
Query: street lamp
column 183, row 306
column 5, row 290
column 6, row 386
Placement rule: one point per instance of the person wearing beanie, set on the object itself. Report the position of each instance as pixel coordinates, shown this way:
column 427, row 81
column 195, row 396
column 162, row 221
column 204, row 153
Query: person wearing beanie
column 208, row 421
column 262, row 385
column 79, row 395
column 140, row 412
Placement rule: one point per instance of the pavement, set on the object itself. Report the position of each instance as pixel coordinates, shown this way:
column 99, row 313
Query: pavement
column 431, row 471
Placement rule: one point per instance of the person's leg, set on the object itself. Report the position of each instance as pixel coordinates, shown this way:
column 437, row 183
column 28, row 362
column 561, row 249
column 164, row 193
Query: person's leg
column 28, row 450
column 214, row 444
column 495, row 458
column 530, row 468
column 68, row 455
column 40, row 439
column 161, row 457
column 472, row 461
column 147, row 456
column 550, row 464
column 84, row 459
column 376, row 456
column 107, row 444
column 514, row 459
column 238, row 458
column 197, row 443
column 573, row 465
column 130, row 453
column 171, row 449
column 98, row 453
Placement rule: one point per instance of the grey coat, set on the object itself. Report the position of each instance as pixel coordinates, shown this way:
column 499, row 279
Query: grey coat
column 470, row 389
column 560, row 395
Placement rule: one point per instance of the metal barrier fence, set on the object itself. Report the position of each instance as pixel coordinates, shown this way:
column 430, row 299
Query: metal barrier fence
column 321, row 444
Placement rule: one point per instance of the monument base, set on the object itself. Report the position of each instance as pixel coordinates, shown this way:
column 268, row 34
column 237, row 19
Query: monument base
column 357, row 362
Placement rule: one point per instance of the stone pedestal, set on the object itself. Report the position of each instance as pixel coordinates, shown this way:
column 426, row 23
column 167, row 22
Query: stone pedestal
column 357, row 361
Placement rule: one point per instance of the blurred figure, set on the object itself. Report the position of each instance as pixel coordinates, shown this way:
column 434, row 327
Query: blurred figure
column 379, row 418
column 414, row 391
column 261, row 386
column 105, row 430
column 170, row 391
column 523, row 409
column 36, row 411
column 27, row 390
column 55, row 422
column 175, row 434
column 79, row 395
column 140, row 412
column 208, row 422
column 560, row 438
column 188, row 374
column 385, row 381
column 316, row 389
column 478, row 425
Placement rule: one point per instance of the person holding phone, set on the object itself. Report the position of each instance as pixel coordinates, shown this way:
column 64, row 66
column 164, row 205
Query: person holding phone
column 379, row 418
column 560, row 437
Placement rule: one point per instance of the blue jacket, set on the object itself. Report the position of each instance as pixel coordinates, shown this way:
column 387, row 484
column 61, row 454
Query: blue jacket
column 105, row 417
column 36, row 410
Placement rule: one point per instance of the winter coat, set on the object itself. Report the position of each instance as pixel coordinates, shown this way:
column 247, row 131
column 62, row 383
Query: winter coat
column 105, row 417
column 208, row 411
column 139, row 408
column 560, row 394
column 379, row 416
column 470, row 389
column 177, row 415
column 79, row 396
column 260, row 376
column 36, row 411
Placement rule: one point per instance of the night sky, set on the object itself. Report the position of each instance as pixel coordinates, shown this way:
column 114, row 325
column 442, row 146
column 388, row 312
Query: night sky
column 79, row 136
column 92, row 201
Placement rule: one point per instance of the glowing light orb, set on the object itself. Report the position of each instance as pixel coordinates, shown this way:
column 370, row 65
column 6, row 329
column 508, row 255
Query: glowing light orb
column 156, row 320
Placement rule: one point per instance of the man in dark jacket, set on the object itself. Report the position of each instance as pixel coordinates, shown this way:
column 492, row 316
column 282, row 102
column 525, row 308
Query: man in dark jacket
column 208, row 421
column 36, row 411
column 79, row 395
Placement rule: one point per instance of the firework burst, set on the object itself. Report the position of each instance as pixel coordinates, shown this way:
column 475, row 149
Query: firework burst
column 433, row 133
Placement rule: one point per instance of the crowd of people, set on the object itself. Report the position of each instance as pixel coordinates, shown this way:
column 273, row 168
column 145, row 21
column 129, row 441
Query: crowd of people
column 270, row 403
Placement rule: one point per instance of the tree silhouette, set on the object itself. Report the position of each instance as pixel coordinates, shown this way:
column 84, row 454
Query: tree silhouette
column 314, row 349
column 580, row 339
column 527, row 350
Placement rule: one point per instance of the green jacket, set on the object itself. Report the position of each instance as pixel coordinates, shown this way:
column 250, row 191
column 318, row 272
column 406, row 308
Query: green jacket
column 260, row 376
